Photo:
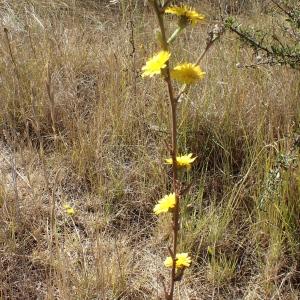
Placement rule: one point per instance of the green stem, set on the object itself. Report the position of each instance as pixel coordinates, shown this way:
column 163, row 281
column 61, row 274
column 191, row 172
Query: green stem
column 174, row 35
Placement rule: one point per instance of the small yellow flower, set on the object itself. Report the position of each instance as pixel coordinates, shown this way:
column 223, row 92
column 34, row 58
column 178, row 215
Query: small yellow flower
column 165, row 204
column 69, row 210
column 155, row 64
column 183, row 161
column 187, row 73
column 182, row 261
column 185, row 12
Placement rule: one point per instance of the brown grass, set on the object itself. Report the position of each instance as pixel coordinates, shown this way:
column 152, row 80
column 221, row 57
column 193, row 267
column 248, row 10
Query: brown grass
column 80, row 126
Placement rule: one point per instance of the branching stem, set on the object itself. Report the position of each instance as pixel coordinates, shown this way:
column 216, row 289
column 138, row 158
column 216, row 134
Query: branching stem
column 173, row 105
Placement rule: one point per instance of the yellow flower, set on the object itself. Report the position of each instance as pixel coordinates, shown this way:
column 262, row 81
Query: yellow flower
column 187, row 73
column 155, row 64
column 182, row 261
column 183, row 161
column 186, row 13
column 165, row 204
column 69, row 210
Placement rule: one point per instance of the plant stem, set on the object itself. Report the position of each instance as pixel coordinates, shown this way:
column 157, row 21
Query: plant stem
column 173, row 105
column 174, row 35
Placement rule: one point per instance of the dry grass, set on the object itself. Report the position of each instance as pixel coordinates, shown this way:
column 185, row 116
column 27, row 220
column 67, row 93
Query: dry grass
column 79, row 126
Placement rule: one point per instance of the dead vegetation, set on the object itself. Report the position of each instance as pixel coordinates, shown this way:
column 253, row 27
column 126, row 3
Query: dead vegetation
column 79, row 126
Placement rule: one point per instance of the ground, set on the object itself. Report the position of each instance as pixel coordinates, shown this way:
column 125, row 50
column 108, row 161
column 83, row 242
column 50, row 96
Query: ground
column 79, row 126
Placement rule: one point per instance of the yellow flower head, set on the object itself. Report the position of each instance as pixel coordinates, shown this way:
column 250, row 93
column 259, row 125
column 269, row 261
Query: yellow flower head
column 69, row 210
column 187, row 73
column 165, row 204
column 186, row 13
column 183, row 161
column 155, row 64
column 182, row 261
